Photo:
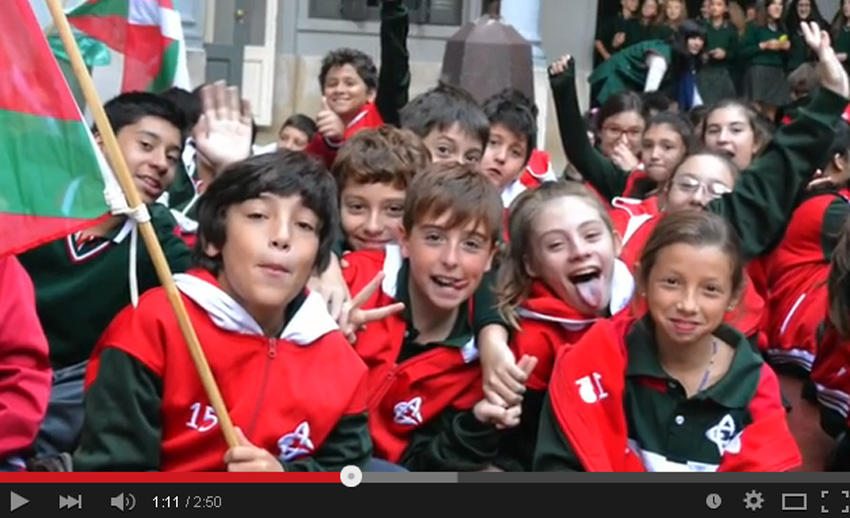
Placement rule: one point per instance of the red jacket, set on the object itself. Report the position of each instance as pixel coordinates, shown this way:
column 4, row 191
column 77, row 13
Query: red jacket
column 628, row 215
column 538, row 170
column 287, row 394
column 796, row 271
column 587, row 391
column 548, row 324
column 369, row 117
column 405, row 396
column 25, row 373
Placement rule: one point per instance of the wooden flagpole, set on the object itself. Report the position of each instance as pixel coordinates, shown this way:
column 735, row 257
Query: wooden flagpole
column 122, row 173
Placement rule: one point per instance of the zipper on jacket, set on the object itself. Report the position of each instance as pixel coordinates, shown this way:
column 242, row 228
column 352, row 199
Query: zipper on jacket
column 272, row 354
column 387, row 383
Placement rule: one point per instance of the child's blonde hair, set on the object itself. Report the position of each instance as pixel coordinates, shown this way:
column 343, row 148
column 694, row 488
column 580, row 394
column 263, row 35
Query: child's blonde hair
column 513, row 281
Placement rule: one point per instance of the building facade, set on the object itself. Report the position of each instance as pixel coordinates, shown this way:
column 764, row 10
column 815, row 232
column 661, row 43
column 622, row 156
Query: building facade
column 275, row 46
column 286, row 40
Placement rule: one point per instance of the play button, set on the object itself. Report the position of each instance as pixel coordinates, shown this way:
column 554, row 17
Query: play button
column 16, row 501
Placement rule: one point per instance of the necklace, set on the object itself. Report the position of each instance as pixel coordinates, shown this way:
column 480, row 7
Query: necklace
column 705, row 376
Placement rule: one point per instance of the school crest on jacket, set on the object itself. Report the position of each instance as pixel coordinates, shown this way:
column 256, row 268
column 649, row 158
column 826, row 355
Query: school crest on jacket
column 587, row 394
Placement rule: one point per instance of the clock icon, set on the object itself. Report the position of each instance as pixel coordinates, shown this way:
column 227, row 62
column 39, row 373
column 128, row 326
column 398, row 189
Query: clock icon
column 713, row 501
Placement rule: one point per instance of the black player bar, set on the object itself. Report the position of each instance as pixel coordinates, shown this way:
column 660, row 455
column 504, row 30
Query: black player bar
column 449, row 494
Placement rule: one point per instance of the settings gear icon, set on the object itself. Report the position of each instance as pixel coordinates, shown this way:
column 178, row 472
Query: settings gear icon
column 753, row 500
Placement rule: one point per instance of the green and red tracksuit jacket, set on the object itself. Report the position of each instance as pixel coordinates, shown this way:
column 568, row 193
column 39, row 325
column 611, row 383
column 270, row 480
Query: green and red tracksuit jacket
column 406, row 396
column 548, row 324
column 587, row 395
column 797, row 271
column 326, row 149
column 287, row 394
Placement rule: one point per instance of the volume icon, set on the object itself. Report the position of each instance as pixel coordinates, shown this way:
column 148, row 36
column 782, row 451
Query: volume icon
column 122, row 502
column 71, row 502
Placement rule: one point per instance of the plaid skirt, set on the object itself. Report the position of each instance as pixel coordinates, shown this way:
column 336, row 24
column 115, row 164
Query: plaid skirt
column 767, row 85
column 715, row 84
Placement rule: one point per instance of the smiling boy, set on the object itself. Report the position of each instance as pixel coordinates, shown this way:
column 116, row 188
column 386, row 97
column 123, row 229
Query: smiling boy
column 426, row 404
column 293, row 385
column 93, row 265
column 355, row 95
column 373, row 171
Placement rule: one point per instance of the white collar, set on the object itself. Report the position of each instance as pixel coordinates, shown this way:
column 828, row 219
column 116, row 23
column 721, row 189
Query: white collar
column 310, row 322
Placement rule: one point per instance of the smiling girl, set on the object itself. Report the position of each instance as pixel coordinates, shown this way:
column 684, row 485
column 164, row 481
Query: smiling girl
column 561, row 275
column 617, row 395
column 801, row 11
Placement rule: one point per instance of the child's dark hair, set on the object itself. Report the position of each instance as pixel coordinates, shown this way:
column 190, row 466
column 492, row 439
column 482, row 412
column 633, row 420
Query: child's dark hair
column 129, row 108
column 302, row 123
column 513, row 110
column 455, row 189
column 386, row 155
column 285, row 173
column 656, row 101
column 761, row 130
column 792, row 19
column 840, row 144
column 621, row 102
column 514, row 282
column 699, row 229
column 682, row 59
column 362, row 63
column 187, row 102
column 838, row 283
column 839, row 21
column 678, row 124
column 762, row 16
column 443, row 106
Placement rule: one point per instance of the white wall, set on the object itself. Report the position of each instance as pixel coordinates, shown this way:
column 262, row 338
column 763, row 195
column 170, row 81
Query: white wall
column 828, row 8
column 568, row 27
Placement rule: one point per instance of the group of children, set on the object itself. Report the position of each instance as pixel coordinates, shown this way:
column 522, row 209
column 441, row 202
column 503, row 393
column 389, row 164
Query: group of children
column 732, row 48
column 426, row 295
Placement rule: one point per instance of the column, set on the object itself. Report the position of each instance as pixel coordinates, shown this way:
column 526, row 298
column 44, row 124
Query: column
column 524, row 16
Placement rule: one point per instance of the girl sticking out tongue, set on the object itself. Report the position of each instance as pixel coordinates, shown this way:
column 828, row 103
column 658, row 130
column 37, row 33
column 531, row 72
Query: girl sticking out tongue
column 560, row 277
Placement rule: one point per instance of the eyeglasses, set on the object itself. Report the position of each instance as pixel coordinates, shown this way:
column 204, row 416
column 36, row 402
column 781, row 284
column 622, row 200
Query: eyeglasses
column 616, row 132
column 690, row 185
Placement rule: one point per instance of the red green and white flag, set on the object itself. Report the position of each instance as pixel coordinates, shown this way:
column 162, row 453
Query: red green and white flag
column 52, row 174
column 145, row 39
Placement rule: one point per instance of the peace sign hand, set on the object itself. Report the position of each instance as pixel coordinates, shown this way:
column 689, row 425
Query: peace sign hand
column 353, row 319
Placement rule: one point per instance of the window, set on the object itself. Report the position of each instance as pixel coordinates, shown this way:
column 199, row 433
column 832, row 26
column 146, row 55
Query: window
column 430, row 12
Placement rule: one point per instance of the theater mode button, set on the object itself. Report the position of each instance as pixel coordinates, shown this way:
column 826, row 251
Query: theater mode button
column 16, row 501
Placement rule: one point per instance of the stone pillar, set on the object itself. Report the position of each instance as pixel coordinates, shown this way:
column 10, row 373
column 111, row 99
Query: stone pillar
column 524, row 15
